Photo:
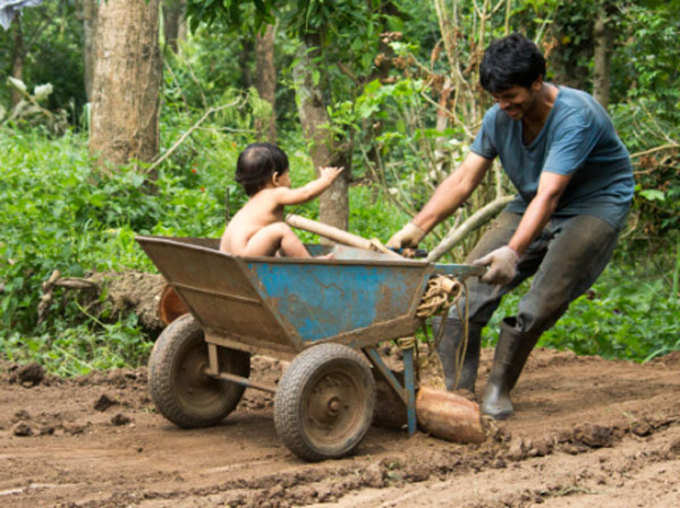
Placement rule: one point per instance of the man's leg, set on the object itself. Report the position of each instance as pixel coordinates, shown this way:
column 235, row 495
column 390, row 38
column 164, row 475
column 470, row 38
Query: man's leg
column 484, row 300
column 578, row 250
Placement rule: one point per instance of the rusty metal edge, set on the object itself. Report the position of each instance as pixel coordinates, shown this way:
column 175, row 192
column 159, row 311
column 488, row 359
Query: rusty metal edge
column 249, row 344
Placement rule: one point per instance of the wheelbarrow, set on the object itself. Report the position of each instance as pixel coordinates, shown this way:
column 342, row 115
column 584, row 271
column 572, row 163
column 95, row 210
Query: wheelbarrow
column 327, row 316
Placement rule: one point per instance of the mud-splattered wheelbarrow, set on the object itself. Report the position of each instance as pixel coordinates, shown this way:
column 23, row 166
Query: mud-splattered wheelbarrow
column 326, row 316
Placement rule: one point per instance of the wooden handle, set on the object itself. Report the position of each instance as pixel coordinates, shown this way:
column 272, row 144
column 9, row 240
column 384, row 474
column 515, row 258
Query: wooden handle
column 332, row 233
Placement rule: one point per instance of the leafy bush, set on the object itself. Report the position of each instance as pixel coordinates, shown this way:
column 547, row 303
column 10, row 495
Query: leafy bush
column 57, row 213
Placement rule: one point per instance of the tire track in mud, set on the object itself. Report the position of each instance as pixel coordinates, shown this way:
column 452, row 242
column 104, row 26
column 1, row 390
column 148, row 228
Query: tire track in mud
column 548, row 453
column 330, row 482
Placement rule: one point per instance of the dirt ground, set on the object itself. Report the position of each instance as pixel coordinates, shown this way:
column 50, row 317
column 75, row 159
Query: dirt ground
column 587, row 432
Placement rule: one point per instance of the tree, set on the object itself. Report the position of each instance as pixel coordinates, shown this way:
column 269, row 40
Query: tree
column 337, row 42
column 89, row 10
column 603, row 40
column 127, row 76
column 265, row 80
column 18, row 56
column 312, row 109
column 174, row 22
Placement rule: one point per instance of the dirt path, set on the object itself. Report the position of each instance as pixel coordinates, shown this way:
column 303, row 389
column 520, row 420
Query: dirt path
column 587, row 432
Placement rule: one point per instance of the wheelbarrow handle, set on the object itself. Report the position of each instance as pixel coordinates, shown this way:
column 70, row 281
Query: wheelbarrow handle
column 409, row 253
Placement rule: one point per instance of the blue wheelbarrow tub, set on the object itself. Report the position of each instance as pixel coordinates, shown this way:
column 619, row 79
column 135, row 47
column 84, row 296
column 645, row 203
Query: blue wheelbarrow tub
column 359, row 298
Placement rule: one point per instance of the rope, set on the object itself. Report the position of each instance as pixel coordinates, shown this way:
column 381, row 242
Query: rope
column 442, row 292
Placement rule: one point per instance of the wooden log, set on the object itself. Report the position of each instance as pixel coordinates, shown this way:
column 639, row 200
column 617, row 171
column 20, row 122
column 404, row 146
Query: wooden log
column 449, row 416
column 108, row 297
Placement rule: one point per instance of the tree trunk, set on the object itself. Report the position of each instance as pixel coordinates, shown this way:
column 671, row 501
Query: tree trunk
column 173, row 19
column 265, row 81
column 602, row 36
column 244, row 61
column 127, row 77
column 89, row 10
column 17, row 59
column 334, row 202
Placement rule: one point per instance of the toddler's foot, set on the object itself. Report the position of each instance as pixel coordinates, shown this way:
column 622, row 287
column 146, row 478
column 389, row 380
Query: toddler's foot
column 326, row 256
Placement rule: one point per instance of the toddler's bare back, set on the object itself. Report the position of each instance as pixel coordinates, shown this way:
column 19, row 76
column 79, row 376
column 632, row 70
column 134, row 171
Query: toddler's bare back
column 261, row 210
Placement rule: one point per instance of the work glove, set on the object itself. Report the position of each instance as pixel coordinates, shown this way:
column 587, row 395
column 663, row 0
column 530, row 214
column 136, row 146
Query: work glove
column 502, row 266
column 408, row 236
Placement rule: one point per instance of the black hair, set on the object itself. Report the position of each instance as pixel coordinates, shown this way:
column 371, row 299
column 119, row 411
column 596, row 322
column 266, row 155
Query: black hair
column 511, row 61
column 256, row 165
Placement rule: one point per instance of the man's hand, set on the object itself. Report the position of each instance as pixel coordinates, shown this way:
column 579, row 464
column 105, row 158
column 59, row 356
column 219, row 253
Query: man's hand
column 408, row 236
column 502, row 266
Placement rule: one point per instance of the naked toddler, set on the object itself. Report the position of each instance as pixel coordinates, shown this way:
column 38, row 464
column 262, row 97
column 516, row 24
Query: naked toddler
column 258, row 228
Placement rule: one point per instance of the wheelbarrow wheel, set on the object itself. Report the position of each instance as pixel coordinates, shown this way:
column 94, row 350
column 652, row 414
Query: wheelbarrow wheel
column 180, row 389
column 324, row 402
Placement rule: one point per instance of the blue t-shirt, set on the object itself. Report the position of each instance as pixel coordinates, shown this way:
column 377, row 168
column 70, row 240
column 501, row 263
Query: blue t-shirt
column 578, row 139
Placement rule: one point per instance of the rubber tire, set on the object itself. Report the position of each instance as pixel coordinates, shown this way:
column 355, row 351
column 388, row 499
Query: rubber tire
column 342, row 370
column 179, row 389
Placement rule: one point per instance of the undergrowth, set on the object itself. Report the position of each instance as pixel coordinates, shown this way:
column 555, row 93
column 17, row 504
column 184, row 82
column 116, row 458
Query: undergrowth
column 57, row 213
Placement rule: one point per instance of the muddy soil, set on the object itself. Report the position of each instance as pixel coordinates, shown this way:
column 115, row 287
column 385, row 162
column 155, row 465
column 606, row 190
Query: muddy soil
column 587, row 432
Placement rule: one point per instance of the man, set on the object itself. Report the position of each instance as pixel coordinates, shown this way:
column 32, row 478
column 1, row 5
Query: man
column 575, row 184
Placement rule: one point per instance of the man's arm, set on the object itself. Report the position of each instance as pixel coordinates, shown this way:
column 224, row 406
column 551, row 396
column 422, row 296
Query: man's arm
column 453, row 191
column 550, row 188
column 448, row 196
column 503, row 261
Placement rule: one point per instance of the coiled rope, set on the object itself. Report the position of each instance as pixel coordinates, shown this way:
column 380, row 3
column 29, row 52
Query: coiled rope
column 442, row 292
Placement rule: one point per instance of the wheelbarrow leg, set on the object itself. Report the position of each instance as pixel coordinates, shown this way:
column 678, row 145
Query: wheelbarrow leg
column 407, row 393
column 410, row 385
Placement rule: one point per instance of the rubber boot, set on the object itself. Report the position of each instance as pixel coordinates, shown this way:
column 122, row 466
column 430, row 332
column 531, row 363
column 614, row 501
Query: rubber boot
column 448, row 352
column 512, row 351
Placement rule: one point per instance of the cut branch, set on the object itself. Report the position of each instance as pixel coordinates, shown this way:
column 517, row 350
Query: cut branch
column 477, row 219
column 187, row 134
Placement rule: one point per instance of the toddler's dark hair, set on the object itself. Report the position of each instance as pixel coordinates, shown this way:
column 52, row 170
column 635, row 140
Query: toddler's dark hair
column 256, row 165
column 511, row 61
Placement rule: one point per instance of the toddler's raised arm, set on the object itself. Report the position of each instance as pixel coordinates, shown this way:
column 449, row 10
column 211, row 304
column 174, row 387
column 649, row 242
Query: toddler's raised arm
column 288, row 196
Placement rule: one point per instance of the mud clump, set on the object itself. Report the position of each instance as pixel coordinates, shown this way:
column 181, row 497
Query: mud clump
column 104, row 402
column 641, row 428
column 27, row 376
column 20, row 415
column 22, row 429
column 674, row 448
column 593, row 436
column 120, row 419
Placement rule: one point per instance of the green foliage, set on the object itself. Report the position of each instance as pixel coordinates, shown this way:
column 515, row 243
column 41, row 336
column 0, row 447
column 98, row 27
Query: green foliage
column 76, row 350
column 231, row 13
column 655, row 144
column 57, row 213
column 52, row 41
column 647, row 65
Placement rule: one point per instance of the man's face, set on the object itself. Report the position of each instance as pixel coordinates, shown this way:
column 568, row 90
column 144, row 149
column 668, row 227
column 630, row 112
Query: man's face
column 517, row 101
